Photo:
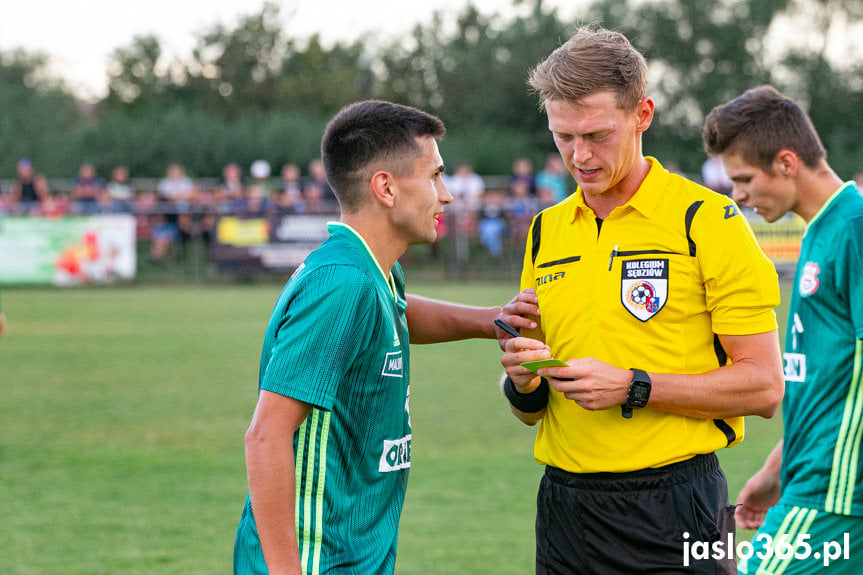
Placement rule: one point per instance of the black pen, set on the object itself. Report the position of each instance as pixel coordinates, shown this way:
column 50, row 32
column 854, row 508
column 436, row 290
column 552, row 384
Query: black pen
column 507, row 328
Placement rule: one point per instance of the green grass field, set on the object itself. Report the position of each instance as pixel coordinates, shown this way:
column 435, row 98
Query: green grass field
column 121, row 436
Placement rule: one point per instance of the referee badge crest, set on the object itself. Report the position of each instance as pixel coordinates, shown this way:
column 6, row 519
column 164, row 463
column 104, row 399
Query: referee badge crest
column 644, row 287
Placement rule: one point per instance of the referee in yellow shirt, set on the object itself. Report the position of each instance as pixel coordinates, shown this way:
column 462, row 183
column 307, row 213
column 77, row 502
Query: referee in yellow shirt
column 654, row 291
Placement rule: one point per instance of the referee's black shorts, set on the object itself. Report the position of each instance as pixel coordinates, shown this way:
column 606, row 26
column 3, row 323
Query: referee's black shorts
column 637, row 522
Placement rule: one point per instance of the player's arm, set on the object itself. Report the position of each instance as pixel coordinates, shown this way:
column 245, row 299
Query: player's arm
column 270, row 470
column 761, row 492
column 434, row 321
column 753, row 384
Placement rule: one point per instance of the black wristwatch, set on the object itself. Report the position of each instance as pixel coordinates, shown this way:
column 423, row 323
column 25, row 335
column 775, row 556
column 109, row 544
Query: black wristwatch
column 639, row 392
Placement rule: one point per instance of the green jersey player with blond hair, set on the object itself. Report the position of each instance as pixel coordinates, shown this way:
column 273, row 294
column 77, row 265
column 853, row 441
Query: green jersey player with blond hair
column 807, row 499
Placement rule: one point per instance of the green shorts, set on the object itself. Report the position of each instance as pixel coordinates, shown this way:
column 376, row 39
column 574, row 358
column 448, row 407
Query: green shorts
column 796, row 540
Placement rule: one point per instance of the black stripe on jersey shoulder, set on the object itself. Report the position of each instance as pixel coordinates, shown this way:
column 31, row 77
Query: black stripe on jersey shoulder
column 553, row 263
column 535, row 234
column 721, row 424
column 721, row 355
column 690, row 215
column 726, row 429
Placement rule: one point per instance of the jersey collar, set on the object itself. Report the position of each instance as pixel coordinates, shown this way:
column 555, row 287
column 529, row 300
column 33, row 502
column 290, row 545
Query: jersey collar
column 388, row 278
column 646, row 198
column 829, row 202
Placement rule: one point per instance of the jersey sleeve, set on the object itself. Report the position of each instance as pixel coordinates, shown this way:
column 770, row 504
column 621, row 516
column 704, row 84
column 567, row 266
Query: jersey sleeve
column 849, row 268
column 321, row 331
column 740, row 281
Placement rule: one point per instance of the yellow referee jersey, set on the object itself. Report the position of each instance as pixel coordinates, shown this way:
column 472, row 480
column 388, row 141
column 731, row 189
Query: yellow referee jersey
column 671, row 268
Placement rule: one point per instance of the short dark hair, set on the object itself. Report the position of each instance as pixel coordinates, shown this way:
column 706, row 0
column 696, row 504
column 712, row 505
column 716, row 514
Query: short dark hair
column 593, row 60
column 757, row 125
column 365, row 134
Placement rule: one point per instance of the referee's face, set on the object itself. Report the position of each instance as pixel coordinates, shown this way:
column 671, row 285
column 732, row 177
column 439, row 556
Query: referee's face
column 418, row 206
column 600, row 143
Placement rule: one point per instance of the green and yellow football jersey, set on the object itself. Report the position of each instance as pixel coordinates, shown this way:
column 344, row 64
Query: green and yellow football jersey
column 338, row 340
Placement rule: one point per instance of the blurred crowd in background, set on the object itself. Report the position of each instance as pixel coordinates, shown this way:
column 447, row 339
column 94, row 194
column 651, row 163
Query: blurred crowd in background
column 494, row 210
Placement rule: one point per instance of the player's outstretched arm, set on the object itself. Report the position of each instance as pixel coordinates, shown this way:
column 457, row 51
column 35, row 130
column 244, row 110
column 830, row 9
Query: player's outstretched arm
column 434, row 321
column 270, row 470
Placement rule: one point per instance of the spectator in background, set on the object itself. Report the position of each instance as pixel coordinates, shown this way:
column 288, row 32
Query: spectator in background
column 522, row 170
column 28, row 190
column 317, row 178
column 88, row 187
column 231, row 191
column 492, row 225
column 261, row 186
column 313, row 198
column 197, row 221
column 175, row 191
column 552, row 178
column 53, row 206
column 544, row 199
column 467, row 189
column 118, row 186
column 521, row 207
column 714, row 177
column 176, row 186
column 116, row 196
column 289, row 199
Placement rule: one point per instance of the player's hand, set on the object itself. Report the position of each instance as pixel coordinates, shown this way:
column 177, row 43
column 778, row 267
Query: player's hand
column 518, row 350
column 591, row 383
column 759, row 494
column 518, row 313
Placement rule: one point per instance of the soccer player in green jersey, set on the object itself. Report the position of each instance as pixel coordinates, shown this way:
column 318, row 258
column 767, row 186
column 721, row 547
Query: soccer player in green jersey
column 807, row 499
column 329, row 447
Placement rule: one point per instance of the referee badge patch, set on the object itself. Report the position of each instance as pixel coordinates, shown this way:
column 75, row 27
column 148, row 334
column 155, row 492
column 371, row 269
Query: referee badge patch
column 644, row 287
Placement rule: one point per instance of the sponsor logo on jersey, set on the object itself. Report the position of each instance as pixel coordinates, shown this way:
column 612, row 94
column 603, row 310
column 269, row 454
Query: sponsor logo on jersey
column 550, row 278
column 795, row 367
column 396, row 454
column 644, row 287
column 731, row 211
column 809, row 279
column 393, row 364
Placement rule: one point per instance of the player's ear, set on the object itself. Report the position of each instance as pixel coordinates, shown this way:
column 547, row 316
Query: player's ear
column 644, row 113
column 786, row 163
column 382, row 187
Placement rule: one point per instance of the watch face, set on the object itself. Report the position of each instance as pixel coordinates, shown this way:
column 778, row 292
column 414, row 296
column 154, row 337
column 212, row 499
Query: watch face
column 639, row 392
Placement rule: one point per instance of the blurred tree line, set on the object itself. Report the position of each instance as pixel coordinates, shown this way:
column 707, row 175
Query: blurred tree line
column 251, row 92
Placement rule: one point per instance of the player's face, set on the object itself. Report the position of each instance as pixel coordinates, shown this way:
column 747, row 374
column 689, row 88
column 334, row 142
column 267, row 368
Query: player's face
column 600, row 143
column 421, row 196
column 771, row 196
